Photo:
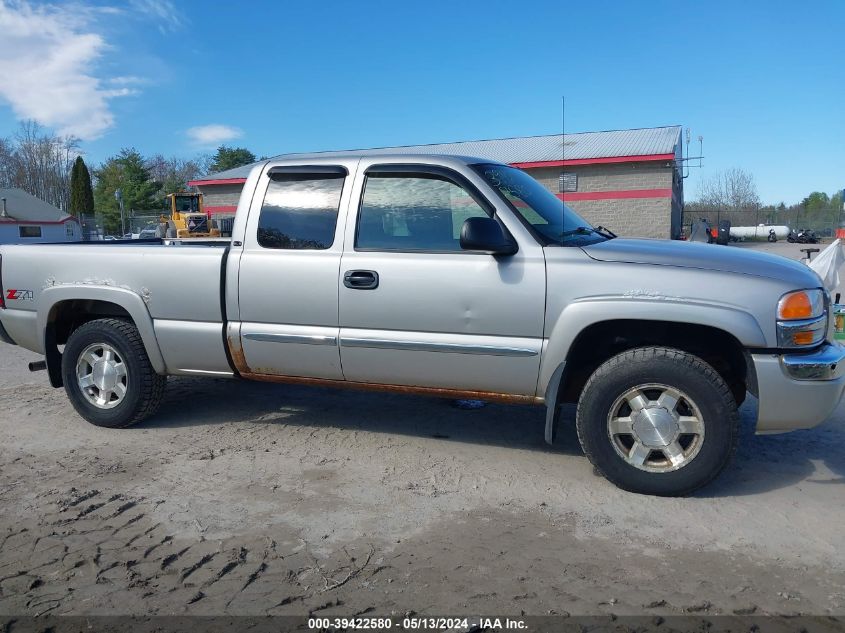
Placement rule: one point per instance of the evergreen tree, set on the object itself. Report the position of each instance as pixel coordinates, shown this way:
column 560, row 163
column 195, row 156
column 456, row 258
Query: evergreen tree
column 126, row 172
column 81, row 193
column 229, row 158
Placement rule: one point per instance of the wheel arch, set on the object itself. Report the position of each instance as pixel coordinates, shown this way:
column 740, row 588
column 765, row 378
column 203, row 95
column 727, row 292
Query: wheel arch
column 574, row 353
column 63, row 309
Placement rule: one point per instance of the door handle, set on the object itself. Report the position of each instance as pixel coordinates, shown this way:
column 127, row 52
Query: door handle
column 360, row 279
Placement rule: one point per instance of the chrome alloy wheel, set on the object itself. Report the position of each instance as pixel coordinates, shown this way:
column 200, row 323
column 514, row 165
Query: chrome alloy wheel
column 101, row 375
column 656, row 428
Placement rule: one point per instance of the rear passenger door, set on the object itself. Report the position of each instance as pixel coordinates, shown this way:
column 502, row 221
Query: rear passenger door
column 416, row 309
column 288, row 278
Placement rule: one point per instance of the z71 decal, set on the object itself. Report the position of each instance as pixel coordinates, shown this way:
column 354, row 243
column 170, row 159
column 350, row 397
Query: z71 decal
column 20, row 295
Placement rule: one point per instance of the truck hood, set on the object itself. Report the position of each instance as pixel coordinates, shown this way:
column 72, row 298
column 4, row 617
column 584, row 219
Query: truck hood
column 730, row 259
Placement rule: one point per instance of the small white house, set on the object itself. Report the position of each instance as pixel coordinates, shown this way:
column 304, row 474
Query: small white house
column 25, row 219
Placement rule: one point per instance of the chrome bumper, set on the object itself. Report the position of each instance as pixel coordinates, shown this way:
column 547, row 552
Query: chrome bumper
column 823, row 364
column 798, row 391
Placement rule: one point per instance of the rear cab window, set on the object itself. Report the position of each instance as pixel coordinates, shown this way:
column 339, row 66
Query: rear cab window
column 300, row 208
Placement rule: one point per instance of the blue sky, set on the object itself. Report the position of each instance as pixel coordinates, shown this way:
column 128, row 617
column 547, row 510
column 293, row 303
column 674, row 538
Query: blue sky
column 762, row 82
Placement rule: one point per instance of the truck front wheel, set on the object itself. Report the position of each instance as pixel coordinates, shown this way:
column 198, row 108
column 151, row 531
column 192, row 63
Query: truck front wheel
column 657, row 421
column 108, row 376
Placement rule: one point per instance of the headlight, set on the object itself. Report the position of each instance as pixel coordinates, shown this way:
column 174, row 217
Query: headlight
column 802, row 318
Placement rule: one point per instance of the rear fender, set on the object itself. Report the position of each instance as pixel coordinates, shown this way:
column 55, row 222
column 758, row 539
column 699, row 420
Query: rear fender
column 122, row 297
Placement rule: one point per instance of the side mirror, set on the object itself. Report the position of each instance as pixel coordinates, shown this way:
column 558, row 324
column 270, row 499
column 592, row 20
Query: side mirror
column 486, row 235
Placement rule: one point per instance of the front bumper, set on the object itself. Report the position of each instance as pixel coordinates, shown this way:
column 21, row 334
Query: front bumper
column 798, row 391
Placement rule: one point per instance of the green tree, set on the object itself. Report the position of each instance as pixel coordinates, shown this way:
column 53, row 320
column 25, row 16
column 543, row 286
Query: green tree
column 816, row 201
column 173, row 174
column 229, row 158
column 126, row 172
column 109, row 179
column 81, row 194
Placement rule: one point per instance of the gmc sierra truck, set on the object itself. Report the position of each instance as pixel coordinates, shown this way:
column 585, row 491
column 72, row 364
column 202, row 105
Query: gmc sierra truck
column 445, row 276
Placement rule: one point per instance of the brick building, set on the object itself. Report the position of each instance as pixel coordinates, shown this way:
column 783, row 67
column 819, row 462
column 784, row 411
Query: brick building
column 626, row 180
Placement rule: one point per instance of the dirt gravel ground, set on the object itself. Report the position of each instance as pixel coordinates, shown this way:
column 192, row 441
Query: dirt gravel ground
column 247, row 498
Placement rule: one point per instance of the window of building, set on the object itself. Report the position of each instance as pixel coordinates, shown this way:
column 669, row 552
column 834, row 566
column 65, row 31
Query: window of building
column 413, row 212
column 29, row 231
column 300, row 210
column 568, row 181
column 69, row 230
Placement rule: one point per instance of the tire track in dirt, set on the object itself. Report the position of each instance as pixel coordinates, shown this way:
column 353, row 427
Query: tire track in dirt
column 452, row 505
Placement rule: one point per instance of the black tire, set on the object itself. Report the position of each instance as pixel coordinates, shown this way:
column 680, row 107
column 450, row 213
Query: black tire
column 675, row 369
column 144, row 388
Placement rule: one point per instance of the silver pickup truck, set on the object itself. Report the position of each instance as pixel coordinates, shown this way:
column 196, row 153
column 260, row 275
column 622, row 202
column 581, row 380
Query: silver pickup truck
column 444, row 276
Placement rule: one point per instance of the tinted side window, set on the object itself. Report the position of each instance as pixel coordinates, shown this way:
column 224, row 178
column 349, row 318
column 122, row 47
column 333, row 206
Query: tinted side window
column 300, row 211
column 409, row 212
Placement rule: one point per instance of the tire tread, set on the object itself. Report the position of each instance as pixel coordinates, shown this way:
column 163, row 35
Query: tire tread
column 692, row 362
column 152, row 384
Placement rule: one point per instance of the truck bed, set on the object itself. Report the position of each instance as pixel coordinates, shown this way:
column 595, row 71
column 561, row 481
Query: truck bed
column 178, row 282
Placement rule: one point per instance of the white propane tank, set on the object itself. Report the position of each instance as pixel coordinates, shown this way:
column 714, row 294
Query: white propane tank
column 759, row 232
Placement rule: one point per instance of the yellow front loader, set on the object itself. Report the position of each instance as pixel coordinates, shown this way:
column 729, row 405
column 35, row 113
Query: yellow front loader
column 187, row 218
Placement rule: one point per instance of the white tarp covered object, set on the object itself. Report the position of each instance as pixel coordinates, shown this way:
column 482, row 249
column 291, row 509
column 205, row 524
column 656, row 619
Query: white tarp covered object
column 828, row 263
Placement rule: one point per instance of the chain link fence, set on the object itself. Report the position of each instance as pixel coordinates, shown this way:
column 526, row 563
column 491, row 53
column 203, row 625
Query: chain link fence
column 824, row 222
column 93, row 225
column 136, row 224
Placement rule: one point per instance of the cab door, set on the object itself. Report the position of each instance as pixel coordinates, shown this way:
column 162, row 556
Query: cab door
column 416, row 309
column 288, row 274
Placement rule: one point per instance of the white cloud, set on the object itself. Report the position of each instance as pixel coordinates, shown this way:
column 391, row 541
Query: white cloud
column 119, row 92
column 126, row 80
column 211, row 135
column 162, row 11
column 47, row 57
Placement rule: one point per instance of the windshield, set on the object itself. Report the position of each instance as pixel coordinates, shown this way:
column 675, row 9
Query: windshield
column 187, row 204
column 555, row 222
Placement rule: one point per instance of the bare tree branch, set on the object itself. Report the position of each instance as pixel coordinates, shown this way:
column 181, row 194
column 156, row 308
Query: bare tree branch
column 39, row 162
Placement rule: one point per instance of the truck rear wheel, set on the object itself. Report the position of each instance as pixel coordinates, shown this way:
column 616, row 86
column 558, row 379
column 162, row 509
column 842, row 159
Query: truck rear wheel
column 658, row 421
column 108, row 376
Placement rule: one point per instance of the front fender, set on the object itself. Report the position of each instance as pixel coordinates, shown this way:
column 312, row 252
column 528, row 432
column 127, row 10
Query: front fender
column 580, row 314
column 122, row 297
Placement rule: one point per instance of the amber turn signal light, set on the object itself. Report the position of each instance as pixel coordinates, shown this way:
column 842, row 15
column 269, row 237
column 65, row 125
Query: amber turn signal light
column 804, row 304
column 803, row 338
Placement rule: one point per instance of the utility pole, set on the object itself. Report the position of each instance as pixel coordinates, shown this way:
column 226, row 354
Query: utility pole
column 841, row 209
column 118, row 195
column 839, row 228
